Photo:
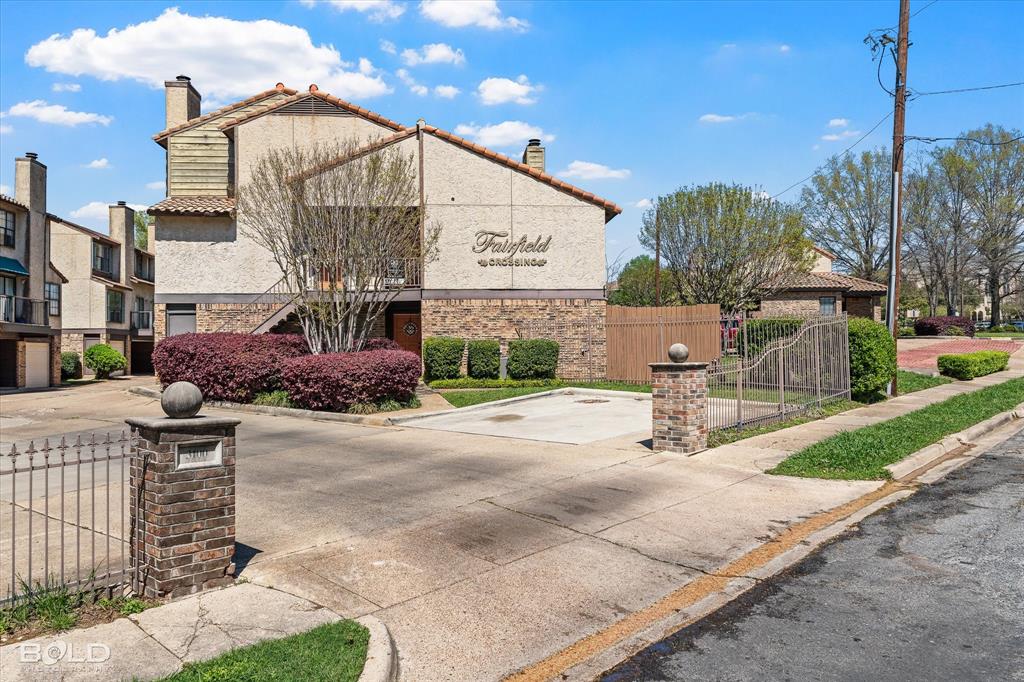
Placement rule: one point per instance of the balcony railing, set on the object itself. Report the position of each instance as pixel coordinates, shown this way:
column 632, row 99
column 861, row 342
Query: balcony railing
column 384, row 274
column 19, row 310
column 142, row 320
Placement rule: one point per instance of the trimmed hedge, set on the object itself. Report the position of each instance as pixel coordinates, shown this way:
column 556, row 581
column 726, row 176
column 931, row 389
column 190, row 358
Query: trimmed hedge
column 532, row 359
column 755, row 334
column 226, row 366
column 970, row 365
column 442, row 357
column 336, row 381
column 380, row 343
column 872, row 358
column 484, row 359
column 103, row 359
column 70, row 366
column 944, row 326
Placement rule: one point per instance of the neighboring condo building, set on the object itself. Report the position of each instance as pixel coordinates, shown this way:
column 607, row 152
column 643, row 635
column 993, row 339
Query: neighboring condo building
column 824, row 292
column 30, row 287
column 109, row 294
column 212, row 274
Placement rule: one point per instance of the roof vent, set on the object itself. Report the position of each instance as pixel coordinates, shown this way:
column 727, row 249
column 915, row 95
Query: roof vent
column 31, row 155
column 183, row 78
column 534, row 142
column 122, row 203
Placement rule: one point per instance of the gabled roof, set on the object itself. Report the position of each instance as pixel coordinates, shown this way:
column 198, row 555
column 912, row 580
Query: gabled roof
column 314, row 92
column 834, row 281
column 81, row 228
column 162, row 136
column 355, row 154
column 12, row 200
column 63, row 279
column 194, row 205
column 823, row 252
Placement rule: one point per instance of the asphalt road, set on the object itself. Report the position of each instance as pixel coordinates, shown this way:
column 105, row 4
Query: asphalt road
column 930, row 589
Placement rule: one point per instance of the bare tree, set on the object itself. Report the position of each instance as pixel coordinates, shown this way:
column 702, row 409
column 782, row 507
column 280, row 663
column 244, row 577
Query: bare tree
column 727, row 244
column 847, row 208
column 955, row 224
column 346, row 229
column 925, row 239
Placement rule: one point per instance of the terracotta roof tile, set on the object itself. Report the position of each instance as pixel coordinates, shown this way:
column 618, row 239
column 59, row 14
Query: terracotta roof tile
column 610, row 208
column 12, row 200
column 196, row 205
column 162, row 135
column 347, row 106
column 835, row 280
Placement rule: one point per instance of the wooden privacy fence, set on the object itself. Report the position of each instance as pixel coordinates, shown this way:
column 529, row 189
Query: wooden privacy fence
column 639, row 336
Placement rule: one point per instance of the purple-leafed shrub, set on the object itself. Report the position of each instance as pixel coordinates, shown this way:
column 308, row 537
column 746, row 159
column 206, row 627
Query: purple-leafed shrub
column 336, row 381
column 380, row 343
column 226, row 366
column 941, row 326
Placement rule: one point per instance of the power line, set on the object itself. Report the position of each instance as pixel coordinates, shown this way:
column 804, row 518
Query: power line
column 932, row 140
column 859, row 140
column 915, row 93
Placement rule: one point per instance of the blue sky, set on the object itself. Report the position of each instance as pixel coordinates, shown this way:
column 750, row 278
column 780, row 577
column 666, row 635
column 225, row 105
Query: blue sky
column 633, row 99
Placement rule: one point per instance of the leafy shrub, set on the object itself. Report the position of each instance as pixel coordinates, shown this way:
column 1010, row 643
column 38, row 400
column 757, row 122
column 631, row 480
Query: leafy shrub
column 469, row 382
column 102, row 359
column 226, row 366
column 954, row 331
column 381, row 343
column 276, row 398
column 337, row 381
column 70, row 366
column 977, row 364
column 442, row 357
column 484, row 359
column 940, row 326
column 1004, row 328
column 872, row 357
column 385, row 405
column 754, row 335
column 532, row 358
column 907, row 331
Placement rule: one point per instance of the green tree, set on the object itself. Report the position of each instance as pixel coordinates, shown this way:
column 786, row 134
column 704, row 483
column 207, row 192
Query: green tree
column 142, row 229
column 726, row 244
column 635, row 284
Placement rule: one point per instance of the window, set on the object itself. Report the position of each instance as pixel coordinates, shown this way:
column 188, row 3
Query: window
column 827, row 305
column 143, row 266
column 52, row 293
column 6, row 299
column 7, row 228
column 103, row 258
column 181, row 318
column 115, row 306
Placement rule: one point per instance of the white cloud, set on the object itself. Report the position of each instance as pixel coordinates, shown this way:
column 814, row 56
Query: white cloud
column 501, row 90
column 231, row 58
column 586, row 170
column 446, row 91
column 434, row 53
column 66, row 87
column 410, row 82
column 5, row 129
column 785, row 49
column 461, row 13
column 838, row 122
column 5, row 189
column 98, row 163
column 58, row 114
column 388, row 47
column 505, row 134
column 643, row 203
column 843, row 135
column 376, row 10
column 96, row 213
column 725, row 118
column 158, row 184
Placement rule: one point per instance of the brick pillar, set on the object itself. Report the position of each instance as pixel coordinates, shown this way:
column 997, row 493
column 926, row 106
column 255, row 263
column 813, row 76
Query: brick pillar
column 182, row 487
column 680, row 406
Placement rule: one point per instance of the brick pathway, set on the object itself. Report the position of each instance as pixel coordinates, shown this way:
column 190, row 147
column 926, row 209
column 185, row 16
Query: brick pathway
column 926, row 358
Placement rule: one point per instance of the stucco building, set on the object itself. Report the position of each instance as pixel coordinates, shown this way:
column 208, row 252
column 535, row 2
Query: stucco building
column 30, row 287
column 212, row 275
column 822, row 291
column 109, row 294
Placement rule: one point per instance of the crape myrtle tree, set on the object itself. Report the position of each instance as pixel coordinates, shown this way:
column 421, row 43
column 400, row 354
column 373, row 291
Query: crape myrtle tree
column 726, row 244
column 344, row 227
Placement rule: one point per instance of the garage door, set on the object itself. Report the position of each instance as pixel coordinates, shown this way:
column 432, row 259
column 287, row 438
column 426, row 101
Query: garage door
column 118, row 345
column 37, row 364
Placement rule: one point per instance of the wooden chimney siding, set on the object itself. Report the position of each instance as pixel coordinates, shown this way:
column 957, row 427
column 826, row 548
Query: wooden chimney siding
column 201, row 159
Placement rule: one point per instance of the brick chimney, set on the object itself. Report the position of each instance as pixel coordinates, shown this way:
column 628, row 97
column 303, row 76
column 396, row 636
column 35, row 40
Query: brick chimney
column 533, row 155
column 30, row 190
column 122, row 228
column 182, row 101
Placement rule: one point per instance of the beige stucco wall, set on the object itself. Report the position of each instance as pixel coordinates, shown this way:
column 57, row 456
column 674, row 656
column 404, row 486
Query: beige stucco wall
column 822, row 263
column 84, row 299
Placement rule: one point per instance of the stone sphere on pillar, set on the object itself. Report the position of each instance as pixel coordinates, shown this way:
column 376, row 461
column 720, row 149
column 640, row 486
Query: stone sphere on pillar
column 181, row 400
column 678, row 352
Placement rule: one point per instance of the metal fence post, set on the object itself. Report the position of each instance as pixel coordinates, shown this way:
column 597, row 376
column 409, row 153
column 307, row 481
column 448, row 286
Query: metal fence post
column 782, row 383
column 739, row 393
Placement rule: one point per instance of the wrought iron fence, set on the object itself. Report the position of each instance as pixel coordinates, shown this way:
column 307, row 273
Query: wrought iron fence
column 65, row 515
column 775, row 369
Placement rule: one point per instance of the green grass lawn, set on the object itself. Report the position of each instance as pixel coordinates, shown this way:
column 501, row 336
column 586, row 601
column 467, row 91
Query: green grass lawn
column 467, row 397
column 716, row 438
column 909, row 382
column 336, row 651
column 999, row 335
column 862, row 454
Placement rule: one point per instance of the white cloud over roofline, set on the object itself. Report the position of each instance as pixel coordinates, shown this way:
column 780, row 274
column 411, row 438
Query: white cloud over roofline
column 463, row 13
column 504, row 134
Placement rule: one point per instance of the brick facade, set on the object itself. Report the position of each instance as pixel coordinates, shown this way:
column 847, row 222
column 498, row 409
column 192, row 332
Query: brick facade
column 680, row 406
column 864, row 306
column 577, row 324
column 797, row 303
column 74, row 342
column 184, row 528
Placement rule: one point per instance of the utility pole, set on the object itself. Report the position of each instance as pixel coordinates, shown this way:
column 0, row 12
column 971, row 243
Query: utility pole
column 895, row 208
column 657, row 258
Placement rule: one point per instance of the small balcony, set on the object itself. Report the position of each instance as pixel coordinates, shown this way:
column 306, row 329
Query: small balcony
column 142, row 322
column 17, row 310
column 384, row 274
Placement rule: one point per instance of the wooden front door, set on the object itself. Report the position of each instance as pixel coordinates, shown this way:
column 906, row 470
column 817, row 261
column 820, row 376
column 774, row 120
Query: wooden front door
column 407, row 331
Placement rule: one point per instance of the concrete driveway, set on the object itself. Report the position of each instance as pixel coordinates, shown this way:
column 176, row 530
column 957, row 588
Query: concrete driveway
column 482, row 554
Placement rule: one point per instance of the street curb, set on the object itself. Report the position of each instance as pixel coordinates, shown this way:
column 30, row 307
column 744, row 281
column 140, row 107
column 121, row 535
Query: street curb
column 381, row 655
